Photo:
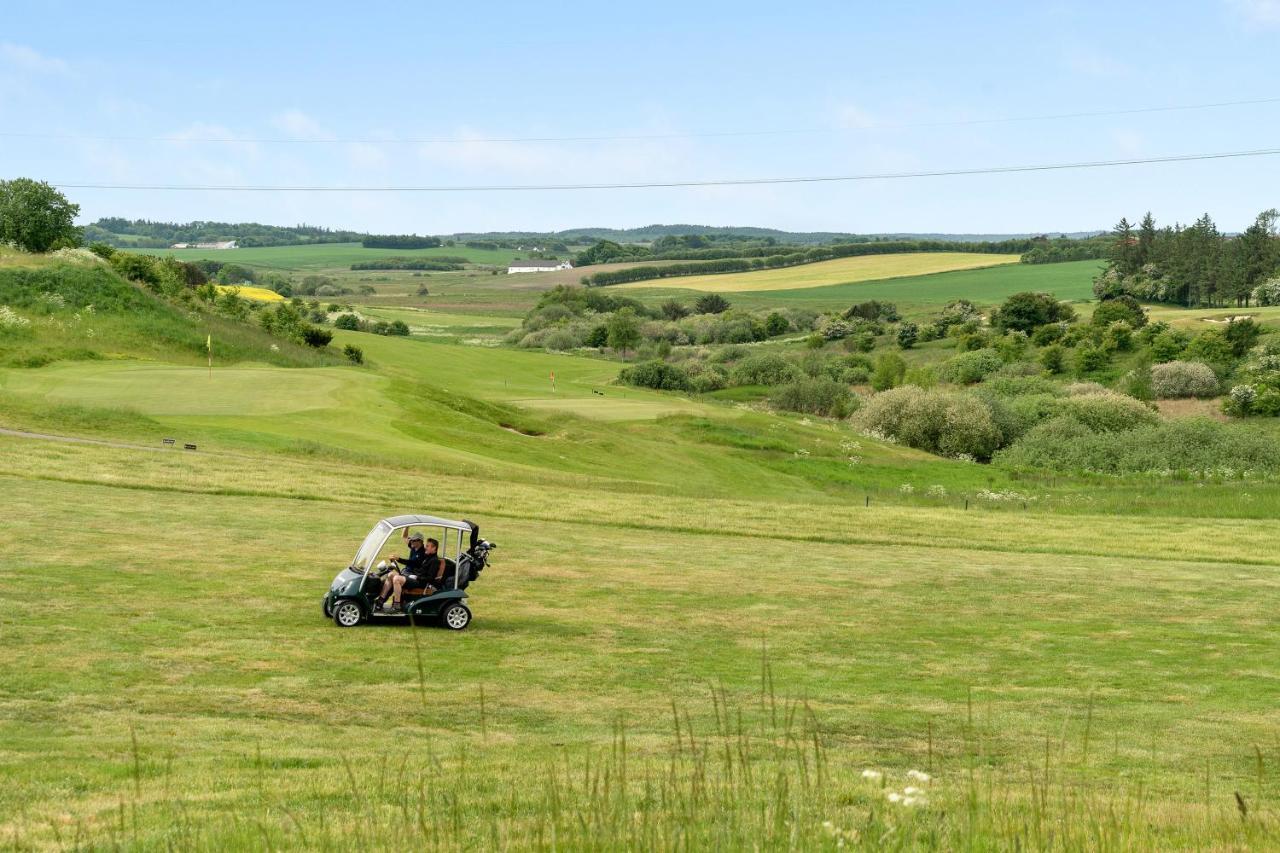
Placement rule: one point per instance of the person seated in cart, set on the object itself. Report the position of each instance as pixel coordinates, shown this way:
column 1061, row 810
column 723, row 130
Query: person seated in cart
column 422, row 568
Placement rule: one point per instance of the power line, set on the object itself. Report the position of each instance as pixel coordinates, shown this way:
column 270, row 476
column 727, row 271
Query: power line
column 729, row 182
column 639, row 137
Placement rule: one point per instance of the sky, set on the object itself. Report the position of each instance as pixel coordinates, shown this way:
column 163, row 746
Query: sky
column 396, row 94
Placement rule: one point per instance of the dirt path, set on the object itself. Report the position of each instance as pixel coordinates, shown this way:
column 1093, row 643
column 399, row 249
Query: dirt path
column 16, row 433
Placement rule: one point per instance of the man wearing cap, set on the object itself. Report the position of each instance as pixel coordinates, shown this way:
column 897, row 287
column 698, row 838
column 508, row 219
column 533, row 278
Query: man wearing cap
column 419, row 569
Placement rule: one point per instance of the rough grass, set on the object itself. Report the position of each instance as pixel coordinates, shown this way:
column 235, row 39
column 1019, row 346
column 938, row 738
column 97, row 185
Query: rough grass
column 839, row 271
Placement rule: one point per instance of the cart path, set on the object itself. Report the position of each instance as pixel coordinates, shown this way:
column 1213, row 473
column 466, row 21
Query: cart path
column 43, row 436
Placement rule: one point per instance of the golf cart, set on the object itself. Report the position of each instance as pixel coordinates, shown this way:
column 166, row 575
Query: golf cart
column 351, row 597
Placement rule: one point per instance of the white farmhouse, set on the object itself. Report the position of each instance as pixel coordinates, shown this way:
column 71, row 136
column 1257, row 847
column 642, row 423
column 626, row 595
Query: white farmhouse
column 537, row 265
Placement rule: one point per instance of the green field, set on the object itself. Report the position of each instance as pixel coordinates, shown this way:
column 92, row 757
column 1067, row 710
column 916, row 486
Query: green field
column 826, row 273
column 705, row 620
column 320, row 257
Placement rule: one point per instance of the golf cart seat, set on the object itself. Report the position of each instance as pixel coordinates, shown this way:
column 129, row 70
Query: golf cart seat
column 446, row 582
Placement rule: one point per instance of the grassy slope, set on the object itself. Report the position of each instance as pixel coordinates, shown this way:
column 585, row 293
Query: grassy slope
column 840, row 271
column 642, row 563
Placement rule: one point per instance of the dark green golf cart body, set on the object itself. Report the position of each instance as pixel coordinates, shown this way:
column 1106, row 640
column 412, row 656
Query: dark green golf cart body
column 353, row 593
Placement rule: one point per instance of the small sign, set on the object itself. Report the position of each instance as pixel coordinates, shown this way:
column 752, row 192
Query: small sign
column 188, row 447
column 169, row 442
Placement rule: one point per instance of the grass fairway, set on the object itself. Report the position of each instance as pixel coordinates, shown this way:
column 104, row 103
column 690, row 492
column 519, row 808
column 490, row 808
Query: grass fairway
column 840, row 271
column 675, row 673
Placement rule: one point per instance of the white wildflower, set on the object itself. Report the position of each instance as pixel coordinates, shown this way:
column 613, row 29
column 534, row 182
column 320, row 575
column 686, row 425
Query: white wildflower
column 906, row 488
column 10, row 319
column 912, row 791
column 872, row 775
column 918, row 776
column 894, row 797
column 937, row 491
column 275, row 348
column 913, row 801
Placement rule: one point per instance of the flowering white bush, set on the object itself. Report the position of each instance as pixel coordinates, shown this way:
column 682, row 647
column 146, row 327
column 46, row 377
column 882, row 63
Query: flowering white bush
column 1268, row 293
column 937, row 491
column 80, row 256
column 53, row 299
column 1174, row 379
column 9, row 319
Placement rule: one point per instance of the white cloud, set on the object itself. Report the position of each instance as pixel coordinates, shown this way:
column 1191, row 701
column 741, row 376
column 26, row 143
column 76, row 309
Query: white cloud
column 1263, row 12
column 297, row 123
column 29, row 59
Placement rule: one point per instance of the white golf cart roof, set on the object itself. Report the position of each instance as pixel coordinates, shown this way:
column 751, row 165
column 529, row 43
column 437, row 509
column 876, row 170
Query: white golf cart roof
column 382, row 531
column 398, row 521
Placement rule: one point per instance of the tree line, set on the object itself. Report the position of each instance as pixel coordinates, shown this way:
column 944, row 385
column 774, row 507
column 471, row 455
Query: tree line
column 144, row 233
column 1194, row 265
column 399, row 241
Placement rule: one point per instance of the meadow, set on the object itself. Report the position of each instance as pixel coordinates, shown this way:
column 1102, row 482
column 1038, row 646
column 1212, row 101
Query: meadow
column 704, row 624
column 841, row 271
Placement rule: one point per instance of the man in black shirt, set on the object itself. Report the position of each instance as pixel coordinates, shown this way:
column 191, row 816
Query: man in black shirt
column 422, row 568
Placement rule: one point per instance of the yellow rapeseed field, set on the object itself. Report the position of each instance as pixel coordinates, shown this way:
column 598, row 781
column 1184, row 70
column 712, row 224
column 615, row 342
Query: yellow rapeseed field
column 839, row 271
column 249, row 292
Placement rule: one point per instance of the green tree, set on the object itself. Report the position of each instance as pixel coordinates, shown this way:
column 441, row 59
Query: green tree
column 36, row 217
column 775, row 324
column 1026, row 311
column 624, row 331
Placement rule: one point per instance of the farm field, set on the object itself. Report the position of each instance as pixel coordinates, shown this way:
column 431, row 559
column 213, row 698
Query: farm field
column 840, row 271
column 319, row 257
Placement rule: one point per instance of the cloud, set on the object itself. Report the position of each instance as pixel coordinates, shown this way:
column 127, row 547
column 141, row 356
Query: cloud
column 29, row 59
column 1261, row 12
column 297, row 123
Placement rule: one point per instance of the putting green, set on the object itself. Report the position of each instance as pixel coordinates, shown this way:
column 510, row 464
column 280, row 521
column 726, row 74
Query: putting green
column 173, row 390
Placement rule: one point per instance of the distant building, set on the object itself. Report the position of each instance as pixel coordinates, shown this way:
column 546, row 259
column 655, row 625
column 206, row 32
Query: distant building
column 221, row 244
column 538, row 265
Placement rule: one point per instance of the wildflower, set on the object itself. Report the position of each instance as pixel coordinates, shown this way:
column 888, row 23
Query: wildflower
column 913, row 801
column 872, row 775
column 10, row 319
column 894, row 797
column 275, row 348
column 912, row 791
column 906, row 488
column 937, row 491
column 918, row 776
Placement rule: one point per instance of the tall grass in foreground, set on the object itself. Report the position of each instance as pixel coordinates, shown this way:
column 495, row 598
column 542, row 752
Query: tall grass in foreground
column 763, row 775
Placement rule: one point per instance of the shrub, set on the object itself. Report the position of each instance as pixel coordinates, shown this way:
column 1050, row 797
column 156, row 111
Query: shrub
column 1210, row 346
column 764, row 369
column 1053, row 358
column 350, row 322
column 560, row 339
column 890, row 368
column 1107, row 411
column 598, row 337
column 1267, row 293
column 1090, row 358
column 656, row 374
column 970, row 367
column 1045, row 335
column 1175, row 379
column 1241, row 335
column 908, row 334
column 1119, row 309
column 1026, row 311
column 1195, row 445
column 949, row 423
column 314, row 337
column 775, row 324
column 354, row 354
column 711, row 303
column 814, row 396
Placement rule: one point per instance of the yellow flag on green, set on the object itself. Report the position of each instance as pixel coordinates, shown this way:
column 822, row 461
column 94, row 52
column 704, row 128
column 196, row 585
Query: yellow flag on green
column 208, row 344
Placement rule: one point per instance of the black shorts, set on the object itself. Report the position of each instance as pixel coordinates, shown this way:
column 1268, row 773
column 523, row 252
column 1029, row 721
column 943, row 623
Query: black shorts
column 414, row 582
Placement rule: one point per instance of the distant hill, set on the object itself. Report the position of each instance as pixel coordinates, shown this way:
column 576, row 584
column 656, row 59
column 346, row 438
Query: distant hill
column 145, row 233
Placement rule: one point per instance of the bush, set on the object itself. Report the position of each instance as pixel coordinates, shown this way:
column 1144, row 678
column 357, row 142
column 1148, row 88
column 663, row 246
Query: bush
column 656, row 374
column 908, row 334
column 711, row 303
column 1194, row 445
column 1168, row 345
column 764, row 369
column 1091, row 358
column 350, row 322
column 1045, row 335
column 1107, row 411
column 1119, row 309
column 1053, row 358
column 949, row 423
column 970, row 367
column 890, row 368
column 1267, row 293
column 814, row 396
column 1210, row 346
column 1026, row 311
column 314, row 337
column 775, row 324
column 1175, row 379
column 354, row 354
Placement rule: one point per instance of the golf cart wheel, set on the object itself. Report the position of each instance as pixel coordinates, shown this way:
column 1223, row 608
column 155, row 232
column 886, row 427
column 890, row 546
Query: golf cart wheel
column 347, row 614
column 328, row 614
column 456, row 616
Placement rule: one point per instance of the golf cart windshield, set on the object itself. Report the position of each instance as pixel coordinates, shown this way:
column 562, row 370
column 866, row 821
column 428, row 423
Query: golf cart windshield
column 371, row 545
